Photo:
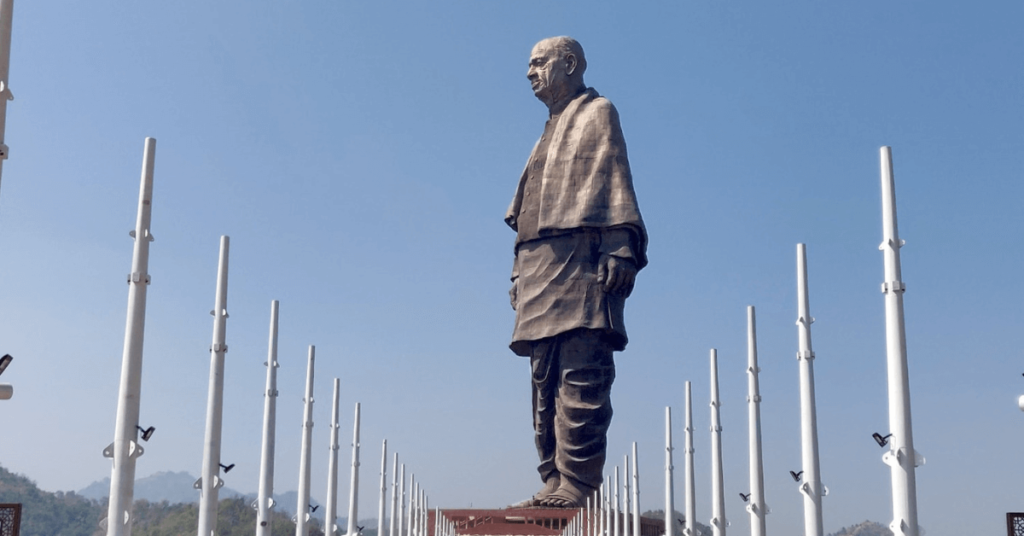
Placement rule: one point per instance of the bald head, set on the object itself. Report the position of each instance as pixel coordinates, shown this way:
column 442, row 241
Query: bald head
column 556, row 69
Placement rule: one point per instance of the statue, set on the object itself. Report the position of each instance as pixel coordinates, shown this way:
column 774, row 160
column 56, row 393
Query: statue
column 579, row 243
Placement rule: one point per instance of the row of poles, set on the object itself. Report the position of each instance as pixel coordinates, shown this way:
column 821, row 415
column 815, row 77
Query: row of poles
column 125, row 449
column 901, row 457
column 614, row 507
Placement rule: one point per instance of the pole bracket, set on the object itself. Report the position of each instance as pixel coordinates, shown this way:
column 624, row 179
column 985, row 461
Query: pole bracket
column 894, row 286
column 138, row 277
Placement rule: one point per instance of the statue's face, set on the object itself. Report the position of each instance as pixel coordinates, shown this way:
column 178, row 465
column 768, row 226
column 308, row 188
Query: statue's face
column 548, row 72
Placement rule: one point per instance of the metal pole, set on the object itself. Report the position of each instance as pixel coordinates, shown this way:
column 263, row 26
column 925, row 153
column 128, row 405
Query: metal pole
column 424, row 510
column 625, row 496
column 901, row 458
column 636, row 493
column 757, row 507
column 811, row 487
column 590, row 520
column 616, row 520
column 209, row 482
column 412, row 504
column 691, row 490
column 718, row 522
column 401, row 504
column 607, row 516
column 353, row 493
column 394, row 496
column 265, row 499
column 6, row 15
column 383, row 487
column 125, row 448
column 669, row 497
column 331, row 509
column 302, row 504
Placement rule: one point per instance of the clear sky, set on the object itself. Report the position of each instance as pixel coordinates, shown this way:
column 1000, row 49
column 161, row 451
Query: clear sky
column 361, row 156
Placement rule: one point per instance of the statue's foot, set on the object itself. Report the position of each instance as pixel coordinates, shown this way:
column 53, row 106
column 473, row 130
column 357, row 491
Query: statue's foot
column 550, row 486
column 571, row 493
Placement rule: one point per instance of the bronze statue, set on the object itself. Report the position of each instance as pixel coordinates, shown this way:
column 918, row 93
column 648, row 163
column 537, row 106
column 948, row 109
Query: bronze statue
column 579, row 243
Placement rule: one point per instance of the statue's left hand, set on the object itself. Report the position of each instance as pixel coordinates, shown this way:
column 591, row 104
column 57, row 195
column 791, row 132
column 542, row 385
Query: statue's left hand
column 617, row 274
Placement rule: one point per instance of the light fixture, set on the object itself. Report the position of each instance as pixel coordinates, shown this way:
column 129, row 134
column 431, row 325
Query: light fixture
column 795, row 475
column 227, row 467
column 146, row 432
column 4, row 361
column 880, row 439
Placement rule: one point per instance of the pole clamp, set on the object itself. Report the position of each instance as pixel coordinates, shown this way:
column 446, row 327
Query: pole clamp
column 138, row 277
column 808, row 355
column 894, row 286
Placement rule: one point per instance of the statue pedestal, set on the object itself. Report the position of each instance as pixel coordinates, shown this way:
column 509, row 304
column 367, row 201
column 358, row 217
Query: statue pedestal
column 537, row 521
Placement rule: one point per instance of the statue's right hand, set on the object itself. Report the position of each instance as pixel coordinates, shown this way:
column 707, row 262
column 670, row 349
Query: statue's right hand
column 513, row 294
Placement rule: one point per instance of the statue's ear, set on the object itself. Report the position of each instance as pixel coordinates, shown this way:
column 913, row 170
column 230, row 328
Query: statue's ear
column 570, row 64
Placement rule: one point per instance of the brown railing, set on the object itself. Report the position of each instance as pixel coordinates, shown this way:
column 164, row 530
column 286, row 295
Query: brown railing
column 10, row 519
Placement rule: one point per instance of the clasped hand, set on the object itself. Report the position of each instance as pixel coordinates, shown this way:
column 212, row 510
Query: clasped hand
column 617, row 277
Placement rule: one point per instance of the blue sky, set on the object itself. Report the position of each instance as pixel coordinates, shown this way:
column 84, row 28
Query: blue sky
column 361, row 157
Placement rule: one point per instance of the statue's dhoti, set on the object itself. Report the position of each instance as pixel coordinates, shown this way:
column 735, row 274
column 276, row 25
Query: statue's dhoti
column 572, row 380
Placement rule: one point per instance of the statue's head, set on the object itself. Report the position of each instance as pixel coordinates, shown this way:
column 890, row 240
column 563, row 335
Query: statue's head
column 556, row 69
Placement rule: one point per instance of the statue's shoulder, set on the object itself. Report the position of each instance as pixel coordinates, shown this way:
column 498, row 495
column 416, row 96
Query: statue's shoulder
column 597, row 109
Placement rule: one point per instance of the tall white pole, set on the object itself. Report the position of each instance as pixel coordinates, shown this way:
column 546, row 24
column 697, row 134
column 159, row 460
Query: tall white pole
column 718, row 522
column 606, row 513
column 383, row 486
column 691, row 490
column 331, row 512
column 209, row 482
column 413, row 492
column 353, row 493
column 6, row 15
column 590, row 518
column 401, row 504
column 625, row 496
column 616, row 518
column 265, row 498
column 669, row 495
column 394, row 497
column 125, row 448
column 302, row 504
column 757, row 507
column 811, row 489
column 636, row 493
column 901, row 458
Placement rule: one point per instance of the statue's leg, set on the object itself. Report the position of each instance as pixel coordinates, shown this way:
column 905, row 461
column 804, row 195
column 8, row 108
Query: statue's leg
column 544, row 373
column 583, row 412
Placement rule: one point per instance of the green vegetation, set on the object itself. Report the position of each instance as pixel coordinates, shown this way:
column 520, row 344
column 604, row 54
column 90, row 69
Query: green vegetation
column 659, row 514
column 68, row 514
column 867, row 528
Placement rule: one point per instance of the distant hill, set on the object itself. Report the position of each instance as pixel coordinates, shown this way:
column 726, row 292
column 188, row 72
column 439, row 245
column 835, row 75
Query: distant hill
column 158, row 487
column 48, row 514
column 69, row 514
column 176, row 487
column 867, row 528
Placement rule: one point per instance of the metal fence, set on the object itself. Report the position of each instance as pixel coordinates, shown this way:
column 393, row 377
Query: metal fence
column 10, row 519
column 1015, row 524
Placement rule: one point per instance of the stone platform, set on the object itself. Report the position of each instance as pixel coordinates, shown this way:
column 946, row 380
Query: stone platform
column 525, row 521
